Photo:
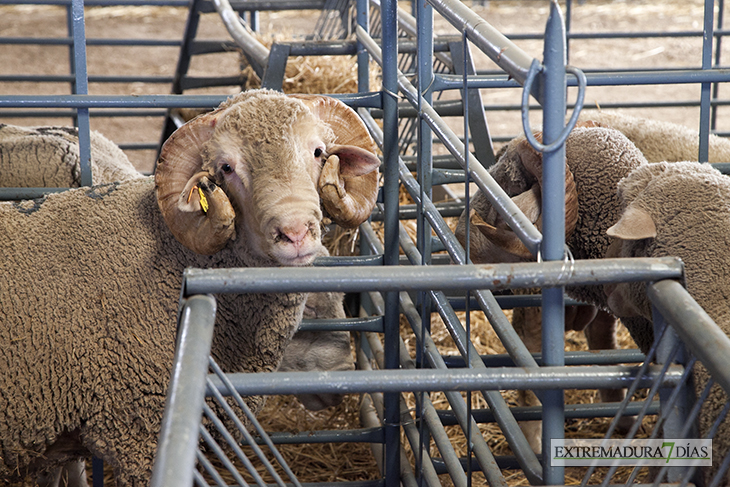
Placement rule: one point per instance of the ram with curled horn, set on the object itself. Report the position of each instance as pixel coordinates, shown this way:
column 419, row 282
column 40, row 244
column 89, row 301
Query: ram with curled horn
column 247, row 185
column 520, row 171
column 593, row 170
column 267, row 169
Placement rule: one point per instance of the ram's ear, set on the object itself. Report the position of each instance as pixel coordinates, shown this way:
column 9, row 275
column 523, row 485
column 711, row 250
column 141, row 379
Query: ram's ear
column 195, row 209
column 348, row 185
column 635, row 224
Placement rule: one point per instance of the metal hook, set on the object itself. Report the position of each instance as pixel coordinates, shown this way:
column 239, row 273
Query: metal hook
column 536, row 68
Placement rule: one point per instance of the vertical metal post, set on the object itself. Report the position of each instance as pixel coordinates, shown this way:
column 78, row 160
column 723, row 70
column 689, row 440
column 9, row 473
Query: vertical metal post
column 391, row 420
column 178, row 441
column 553, row 242
column 424, row 71
column 81, row 87
column 705, row 96
column 718, row 55
column 675, row 418
column 363, row 58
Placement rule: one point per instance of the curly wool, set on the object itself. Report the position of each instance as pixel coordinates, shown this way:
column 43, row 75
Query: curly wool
column 689, row 204
column 661, row 141
column 49, row 157
column 88, row 302
column 598, row 158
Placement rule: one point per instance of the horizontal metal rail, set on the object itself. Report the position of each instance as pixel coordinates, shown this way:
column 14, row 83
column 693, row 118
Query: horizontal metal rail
column 368, row 100
column 417, row 278
column 417, row 380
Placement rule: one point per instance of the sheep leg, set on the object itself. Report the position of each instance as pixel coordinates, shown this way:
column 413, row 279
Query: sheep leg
column 601, row 335
column 73, row 474
column 527, row 322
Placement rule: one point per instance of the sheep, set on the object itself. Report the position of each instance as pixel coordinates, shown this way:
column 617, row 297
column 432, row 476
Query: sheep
column 679, row 209
column 46, row 156
column 53, row 155
column 49, row 157
column 658, row 140
column 246, row 185
column 311, row 350
column 597, row 158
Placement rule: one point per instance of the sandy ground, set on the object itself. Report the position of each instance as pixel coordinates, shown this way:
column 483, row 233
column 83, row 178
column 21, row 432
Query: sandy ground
column 508, row 16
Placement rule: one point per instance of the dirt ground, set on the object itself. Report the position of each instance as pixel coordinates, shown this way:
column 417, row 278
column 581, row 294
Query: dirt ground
column 508, row 16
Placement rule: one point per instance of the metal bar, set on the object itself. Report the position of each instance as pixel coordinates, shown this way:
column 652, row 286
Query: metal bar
column 363, row 59
column 256, row 52
column 395, row 381
column 667, row 77
column 695, row 328
column 43, row 41
column 81, row 87
column 367, row 435
column 391, row 402
column 553, row 238
column 501, row 50
column 372, row 100
column 413, row 278
column 572, row 411
column 184, row 404
column 496, row 195
column 706, row 88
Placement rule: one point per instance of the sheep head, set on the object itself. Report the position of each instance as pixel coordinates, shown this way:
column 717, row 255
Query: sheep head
column 519, row 171
column 678, row 209
column 251, row 171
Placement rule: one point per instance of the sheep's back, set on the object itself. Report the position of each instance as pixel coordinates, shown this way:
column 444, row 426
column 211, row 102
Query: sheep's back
column 49, row 157
column 598, row 158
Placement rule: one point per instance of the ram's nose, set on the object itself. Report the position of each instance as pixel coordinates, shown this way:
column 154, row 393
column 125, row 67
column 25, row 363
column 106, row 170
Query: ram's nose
column 294, row 235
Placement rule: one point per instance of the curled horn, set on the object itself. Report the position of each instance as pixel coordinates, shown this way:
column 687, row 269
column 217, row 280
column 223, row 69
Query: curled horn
column 348, row 184
column 195, row 209
column 529, row 203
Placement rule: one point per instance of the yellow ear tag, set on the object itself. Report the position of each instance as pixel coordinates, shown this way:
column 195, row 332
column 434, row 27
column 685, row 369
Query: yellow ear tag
column 203, row 200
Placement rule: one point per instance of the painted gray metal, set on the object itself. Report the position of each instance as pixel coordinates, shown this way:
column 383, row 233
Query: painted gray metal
column 543, row 378
column 178, row 439
column 445, row 278
column 694, row 326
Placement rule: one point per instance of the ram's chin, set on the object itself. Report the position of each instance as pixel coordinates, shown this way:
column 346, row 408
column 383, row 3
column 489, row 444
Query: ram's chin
column 298, row 257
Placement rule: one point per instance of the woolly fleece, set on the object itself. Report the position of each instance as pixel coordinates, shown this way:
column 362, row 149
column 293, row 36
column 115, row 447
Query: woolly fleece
column 689, row 203
column 661, row 141
column 598, row 158
column 88, row 306
column 49, row 157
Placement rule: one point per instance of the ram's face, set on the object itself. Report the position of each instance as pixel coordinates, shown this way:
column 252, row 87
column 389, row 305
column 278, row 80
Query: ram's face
column 259, row 171
column 272, row 185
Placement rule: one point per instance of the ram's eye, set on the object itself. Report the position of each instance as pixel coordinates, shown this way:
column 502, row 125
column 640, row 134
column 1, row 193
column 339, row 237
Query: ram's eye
column 226, row 168
column 317, row 152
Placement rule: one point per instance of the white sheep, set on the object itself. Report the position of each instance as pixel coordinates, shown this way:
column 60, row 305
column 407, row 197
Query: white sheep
column 105, row 263
column 680, row 209
column 596, row 159
column 658, row 140
column 49, row 157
